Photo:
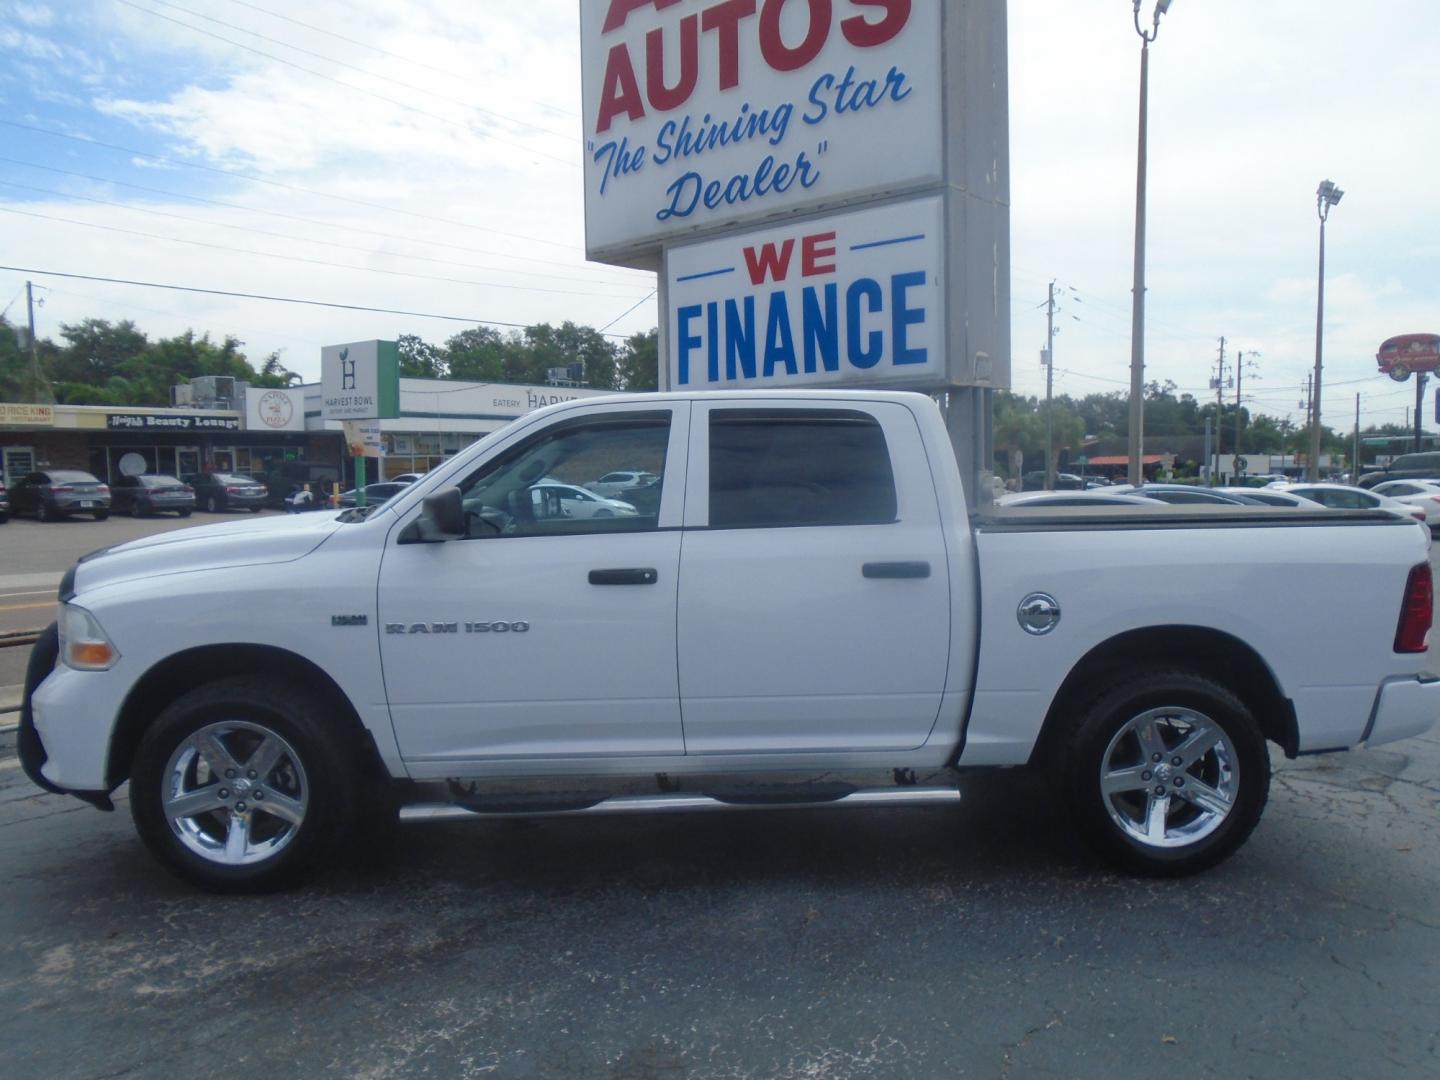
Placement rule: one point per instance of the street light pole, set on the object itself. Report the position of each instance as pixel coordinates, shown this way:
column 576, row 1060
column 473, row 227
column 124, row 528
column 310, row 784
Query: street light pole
column 1326, row 196
column 1137, row 310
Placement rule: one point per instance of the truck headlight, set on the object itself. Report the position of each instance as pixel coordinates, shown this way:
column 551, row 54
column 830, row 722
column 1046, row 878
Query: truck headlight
column 83, row 644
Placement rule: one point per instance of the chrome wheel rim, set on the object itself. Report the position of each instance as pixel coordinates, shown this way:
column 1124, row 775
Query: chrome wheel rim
column 235, row 793
column 1169, row 777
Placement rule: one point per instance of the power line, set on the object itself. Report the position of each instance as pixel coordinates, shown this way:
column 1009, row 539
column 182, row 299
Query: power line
column 304, row 240
column 311, row 221
column 298, row 258
column 348, row 86
column 363, row 71
column 273, row 299
column 232, row 173
column 382, row 52
column 627, row 311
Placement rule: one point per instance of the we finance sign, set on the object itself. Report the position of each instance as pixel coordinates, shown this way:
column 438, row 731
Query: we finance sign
column 854, row 299
column 700, row 116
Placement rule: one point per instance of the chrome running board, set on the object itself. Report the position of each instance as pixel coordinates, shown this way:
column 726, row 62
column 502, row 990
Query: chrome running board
column 684, row 803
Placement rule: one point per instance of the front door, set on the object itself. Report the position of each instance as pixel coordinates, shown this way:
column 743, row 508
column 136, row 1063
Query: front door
column 543, row 634
column 814, row 585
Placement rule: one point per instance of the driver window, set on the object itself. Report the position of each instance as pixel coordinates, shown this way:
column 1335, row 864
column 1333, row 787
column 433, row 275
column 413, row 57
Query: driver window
column 547, row 485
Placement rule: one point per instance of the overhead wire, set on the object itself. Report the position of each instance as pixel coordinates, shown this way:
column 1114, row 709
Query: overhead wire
column 306, row 240
column 298, row 258
column 348, row 86
column 569, row 138
column 473, row 320
column 254, row 178
column 598, row 268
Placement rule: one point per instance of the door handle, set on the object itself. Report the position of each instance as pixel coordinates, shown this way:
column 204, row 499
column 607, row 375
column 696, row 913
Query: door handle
column 638, row 576
column 891, row 570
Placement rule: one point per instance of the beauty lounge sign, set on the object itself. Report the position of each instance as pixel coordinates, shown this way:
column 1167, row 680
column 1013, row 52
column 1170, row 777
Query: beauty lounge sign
column 701, row 116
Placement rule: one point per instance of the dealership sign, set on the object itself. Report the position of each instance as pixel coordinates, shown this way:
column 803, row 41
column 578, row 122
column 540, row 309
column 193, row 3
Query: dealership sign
column 699, row 116
column 360, row 381
column 855, row 297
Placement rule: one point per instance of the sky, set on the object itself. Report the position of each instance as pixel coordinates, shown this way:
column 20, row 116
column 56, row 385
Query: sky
column 424, row 156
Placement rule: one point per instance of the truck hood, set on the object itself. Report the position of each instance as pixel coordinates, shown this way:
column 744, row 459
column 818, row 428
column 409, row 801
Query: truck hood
column 205, row 547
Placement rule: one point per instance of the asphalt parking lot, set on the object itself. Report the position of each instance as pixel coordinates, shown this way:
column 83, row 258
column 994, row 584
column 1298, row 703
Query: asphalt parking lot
column 975, row 940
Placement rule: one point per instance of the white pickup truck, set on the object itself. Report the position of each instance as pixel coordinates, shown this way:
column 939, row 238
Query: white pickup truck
column 800, row 591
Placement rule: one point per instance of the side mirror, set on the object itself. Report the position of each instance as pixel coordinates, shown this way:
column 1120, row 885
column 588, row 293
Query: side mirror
column 442, row 518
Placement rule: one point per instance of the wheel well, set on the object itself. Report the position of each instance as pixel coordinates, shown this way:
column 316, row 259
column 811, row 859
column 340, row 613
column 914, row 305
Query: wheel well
column 1212, row 653
column 177, row 674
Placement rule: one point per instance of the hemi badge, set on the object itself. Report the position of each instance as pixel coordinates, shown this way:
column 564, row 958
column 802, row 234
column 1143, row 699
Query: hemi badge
column 349, row 620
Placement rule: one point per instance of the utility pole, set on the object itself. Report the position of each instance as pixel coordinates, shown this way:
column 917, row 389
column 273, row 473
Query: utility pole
column 1219, row 408
column 34, row 348
column 1420, row 378
column 1306, row 403
column 1327, row 196
column 1355, row 453
column 1049, row 389
column 1239, row 377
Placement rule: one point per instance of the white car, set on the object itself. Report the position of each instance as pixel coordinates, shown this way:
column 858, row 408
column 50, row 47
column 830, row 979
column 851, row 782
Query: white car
column 1054, row 499
column 576, row 502
column 1345, row 497
column 1273, row 496
column 1422, row 493
column 613, row 482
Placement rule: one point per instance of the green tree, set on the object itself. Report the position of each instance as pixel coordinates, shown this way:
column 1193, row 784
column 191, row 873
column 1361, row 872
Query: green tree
column 477, row 354
column 419, row 359
column 96, row 350
column 638, row 365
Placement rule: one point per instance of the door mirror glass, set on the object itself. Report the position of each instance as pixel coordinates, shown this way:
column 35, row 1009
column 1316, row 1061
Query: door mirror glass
column 442, row 517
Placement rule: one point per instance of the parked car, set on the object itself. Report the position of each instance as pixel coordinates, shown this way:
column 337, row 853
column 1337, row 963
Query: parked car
column 151, row 493
column 1273, row 497
column 58, row 493
column 1422, row 493
column 408, row 477
column 1420, row 466
column 1346, row 497
column 614, row 482
column 375, row 494
column 579, row 503
column 224, row 491
column 1185, row 495
column 1035, row 481
column 1052, row 499
column 4, row 503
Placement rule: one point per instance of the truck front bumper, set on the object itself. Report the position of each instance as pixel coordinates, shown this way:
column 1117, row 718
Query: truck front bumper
column 1403, row 708
column 33, row 755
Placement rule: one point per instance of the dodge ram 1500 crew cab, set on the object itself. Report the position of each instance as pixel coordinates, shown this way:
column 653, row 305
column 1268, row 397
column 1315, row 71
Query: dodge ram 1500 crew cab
column 803, row 592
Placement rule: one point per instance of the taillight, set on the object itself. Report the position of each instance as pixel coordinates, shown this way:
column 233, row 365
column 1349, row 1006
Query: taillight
column 189, row 490
column 1416, row 610
column 102, row 489
column 232, row 491
column 61, row 487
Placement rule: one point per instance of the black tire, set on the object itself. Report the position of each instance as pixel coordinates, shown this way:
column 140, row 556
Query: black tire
column 101, row 515
column 185, row 513
column 256, row 509
column 1107, row 741
column 43, row 512
column 212, row 504
column 318, row 770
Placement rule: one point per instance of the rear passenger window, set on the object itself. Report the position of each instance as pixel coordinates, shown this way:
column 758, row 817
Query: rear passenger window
column 771, row 468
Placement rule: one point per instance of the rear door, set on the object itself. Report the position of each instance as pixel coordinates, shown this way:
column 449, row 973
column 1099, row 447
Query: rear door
column 814, row 608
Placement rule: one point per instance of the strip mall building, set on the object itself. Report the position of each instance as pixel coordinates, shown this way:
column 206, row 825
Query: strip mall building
column 256, row 431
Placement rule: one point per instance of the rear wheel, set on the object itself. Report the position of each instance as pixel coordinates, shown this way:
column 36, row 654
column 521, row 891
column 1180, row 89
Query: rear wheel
column 1166, row 773
column 185, row 512
column 212, row 504
column 243, row 786
column 43, row 511
column 256, row 509
column 101, row 515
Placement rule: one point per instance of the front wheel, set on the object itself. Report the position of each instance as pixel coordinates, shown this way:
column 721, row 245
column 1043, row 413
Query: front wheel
column 1167, row 773
column 243, row 785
